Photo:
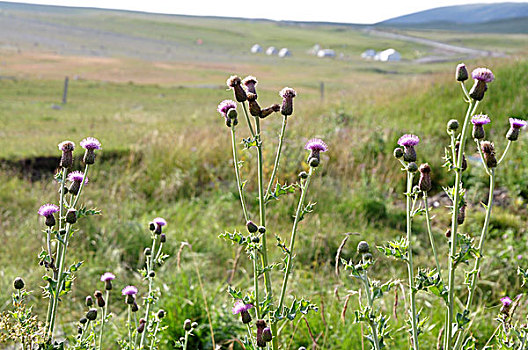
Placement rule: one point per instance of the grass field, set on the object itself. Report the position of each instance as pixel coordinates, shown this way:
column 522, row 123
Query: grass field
column 167, row 153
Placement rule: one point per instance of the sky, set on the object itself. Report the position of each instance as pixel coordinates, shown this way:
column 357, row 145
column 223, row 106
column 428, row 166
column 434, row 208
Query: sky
column 347, row 11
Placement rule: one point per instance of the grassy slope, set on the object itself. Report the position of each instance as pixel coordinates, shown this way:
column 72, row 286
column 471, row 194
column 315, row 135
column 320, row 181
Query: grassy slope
column 177, row 166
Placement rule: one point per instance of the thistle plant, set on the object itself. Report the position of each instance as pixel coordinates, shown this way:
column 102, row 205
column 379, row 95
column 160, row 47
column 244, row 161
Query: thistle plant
column 269, row 312
column 462, row 246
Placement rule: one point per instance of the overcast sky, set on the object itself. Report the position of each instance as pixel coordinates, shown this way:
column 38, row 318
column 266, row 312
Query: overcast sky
column 350, row 11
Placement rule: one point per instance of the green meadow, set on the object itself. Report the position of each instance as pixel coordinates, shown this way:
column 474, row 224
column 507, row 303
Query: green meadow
column 166, row 152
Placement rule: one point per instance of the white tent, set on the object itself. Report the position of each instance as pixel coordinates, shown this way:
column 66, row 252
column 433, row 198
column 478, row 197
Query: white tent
column 389, row 55
column 270, row 51
column 326, row 53
column 284, row 52
column 256, row 48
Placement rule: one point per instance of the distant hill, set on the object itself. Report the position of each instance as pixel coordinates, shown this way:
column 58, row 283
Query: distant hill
column 504, row 17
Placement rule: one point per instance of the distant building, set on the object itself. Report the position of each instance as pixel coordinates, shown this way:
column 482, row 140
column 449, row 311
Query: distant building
column 369, row 54
column 256, row 48
column 284, row 52
column 326, row 53
column 270, row 51
column 389, row 55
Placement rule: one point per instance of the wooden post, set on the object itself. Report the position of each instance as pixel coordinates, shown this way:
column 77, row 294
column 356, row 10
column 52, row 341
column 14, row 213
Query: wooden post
column 65, row 91
column 321, row 88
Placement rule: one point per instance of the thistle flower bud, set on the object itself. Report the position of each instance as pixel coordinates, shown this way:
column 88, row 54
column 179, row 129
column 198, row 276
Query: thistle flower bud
column 194, row 325
column 101, row 302
column 303, row 175
column 488, row 151
column 67, row 148
column 250, row 82
column 83, row 320
column 251, row 227
column 461, row 73
column 18, row 283
column 235, row 83
column 134, row 307
column 461, row 215
column 302, row 348
column 71, row 216
column 397, row 153
column 76, row 178
column 269, row 110
column 425, row 178
column 98, row 294
column 141, row 327
column 261, row 325
column 152, row 274
column 152, row 226
column 255, row 239
column 90, row 144
column 287, row 95
column 161, row 314
column 412, row 167
column 163, row 238
column 408, row 141
column 515, row 126
column 453, row 125
column 367, row 257
column 313, row 162
column 266, row 334
column 91, row 314
column 448, row 233
column 187, row 325
column 363, row 247
column 89, row 301
column 130, row 294
column 147, row 251
column 261, row 229
column 254, row 107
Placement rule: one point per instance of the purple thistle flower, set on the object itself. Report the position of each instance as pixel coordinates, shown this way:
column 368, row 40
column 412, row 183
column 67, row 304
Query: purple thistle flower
column 225, row 106
column 107, row 276
column 506, row 301
column 408, row 140
column 160, row 221
column 517, row 123
column 77, row 176
column 316, row 145
column 483, row 74
column 240, row 306
column 129, row 290
column 66, row 146
column 90, row 143
column 48, row 209
column 480, row 119
column 250, row 82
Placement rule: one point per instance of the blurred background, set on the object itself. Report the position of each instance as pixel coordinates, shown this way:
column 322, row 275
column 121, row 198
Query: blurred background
column 147, row 85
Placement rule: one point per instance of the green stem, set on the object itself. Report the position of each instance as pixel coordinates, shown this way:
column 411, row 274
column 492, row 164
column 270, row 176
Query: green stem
column 482, row 157
column 372, row 324
column 304, row 190
column 278, row 155
column 523, row 344
column 264, row 252
column 103, row 320
column 62, row 258
column 454, row 227
column 251, row 336
column 186, row 340
column 412, row 289
column 485, row 228
column 255, row 282
column 465, row 91
column 430, row 231
column 505, row 152
column 250, row 126
column 150, row 267
column 237, row 174
column 129, row 327
column 491, row 338
column 154, row 335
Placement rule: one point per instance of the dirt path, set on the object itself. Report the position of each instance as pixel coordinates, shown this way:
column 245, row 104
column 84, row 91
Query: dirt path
column 443, row 48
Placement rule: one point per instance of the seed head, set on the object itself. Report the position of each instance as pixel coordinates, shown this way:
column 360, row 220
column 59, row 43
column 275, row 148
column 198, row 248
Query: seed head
column 234, row 83
column 488, row 151
column 67, row 148
column 287, row 95
column 425, row 178
column 250, row 82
